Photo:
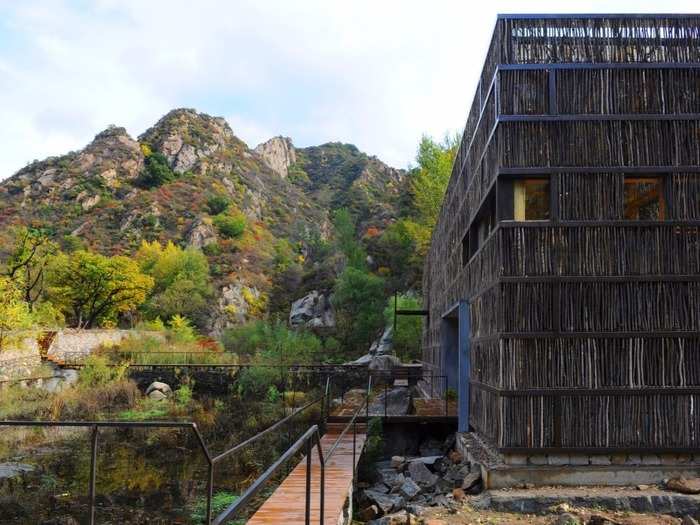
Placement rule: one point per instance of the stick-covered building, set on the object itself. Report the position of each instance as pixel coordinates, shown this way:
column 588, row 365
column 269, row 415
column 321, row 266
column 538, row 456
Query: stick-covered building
column 563, row 278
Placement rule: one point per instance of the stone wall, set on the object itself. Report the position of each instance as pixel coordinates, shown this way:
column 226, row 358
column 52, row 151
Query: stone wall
column 20, row 359
column 74, row 345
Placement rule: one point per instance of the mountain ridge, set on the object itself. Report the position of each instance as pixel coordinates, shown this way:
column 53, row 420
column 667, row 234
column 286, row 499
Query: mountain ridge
column 119, row 191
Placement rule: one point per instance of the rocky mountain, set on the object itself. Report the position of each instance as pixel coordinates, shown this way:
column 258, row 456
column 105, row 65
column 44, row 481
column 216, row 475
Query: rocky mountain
column 118, row 191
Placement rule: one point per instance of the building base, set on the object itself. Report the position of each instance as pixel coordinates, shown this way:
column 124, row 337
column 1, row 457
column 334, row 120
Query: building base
column 518, row 470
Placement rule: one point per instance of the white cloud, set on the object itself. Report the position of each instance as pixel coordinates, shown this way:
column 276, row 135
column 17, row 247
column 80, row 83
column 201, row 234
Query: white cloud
column 377, row 74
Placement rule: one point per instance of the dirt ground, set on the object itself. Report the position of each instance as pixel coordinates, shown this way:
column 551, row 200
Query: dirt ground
column 468, row 516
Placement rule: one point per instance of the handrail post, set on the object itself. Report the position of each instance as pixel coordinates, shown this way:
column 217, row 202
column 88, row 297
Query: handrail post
column 93, row 474
column 446, row 409
column 210, row 491
column 307, row 517
column 354, row 446
column 386, row 395
column 322, row 491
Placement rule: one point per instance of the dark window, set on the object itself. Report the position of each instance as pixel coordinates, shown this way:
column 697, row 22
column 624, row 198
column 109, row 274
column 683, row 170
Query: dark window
column 466, row 254
column 531, row 199
column 644, row 199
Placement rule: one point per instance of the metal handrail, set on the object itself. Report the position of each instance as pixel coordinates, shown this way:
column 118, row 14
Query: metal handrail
column 312, row 434
column 95, row 426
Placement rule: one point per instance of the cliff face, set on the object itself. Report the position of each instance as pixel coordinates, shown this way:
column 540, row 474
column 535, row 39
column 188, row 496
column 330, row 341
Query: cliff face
column 279, row 154
column 98, row 198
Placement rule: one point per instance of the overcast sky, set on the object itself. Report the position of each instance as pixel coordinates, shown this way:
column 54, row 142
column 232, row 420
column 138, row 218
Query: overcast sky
column 374, row 73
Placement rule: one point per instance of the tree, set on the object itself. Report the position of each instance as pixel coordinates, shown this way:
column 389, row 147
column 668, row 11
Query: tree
column 408, row 334
column 429, row 181
column 182, row 281
column 157, row 172
column 26, row 265
column 14, row 312
column 347, row 241
column 359, row 303
column 91, row 288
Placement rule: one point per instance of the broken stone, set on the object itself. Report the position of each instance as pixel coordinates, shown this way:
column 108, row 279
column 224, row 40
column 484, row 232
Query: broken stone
column 409, row 488
column 397, row 462
column 369, row 513
column 470, row 480
column 684, row 485
column 390, row 477
column 385, row 502
column 428, row 460
column 456, row 473
column 379, row 487
column 399, row 518
column 421, row 475
column 567, row 519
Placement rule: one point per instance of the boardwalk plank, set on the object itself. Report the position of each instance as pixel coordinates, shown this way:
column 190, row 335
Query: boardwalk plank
column 287, row 503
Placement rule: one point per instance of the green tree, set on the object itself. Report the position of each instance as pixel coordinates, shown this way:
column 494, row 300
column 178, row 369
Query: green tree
column 409, row 329
column 182, row 281
column 14, row 311
column 359, row 304
column 429, row 181
column 157, row 171
column 26, row 265
column 346, row 239
column 92, row 289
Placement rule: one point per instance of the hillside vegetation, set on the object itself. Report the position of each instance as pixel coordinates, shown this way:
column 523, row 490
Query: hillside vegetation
column 187, row 220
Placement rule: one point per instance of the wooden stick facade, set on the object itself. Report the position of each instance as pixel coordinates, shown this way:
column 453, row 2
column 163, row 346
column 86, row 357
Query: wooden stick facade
column 571, row 224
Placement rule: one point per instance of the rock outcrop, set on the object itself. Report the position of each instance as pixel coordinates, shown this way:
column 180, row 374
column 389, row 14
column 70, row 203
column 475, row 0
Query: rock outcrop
column 279, row 154
column 314, row 310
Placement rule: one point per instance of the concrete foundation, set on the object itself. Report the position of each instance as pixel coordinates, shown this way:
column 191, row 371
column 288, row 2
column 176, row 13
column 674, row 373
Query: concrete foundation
column 515, row 470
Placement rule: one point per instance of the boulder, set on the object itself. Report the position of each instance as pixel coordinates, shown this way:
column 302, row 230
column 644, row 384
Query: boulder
column 159, row 391
column 684, row 485
column 421, row 475
column 314, row 310
column 397, row 401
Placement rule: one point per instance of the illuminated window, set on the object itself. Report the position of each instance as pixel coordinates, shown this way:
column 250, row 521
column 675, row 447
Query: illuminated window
column 644, row 200
column 531, row 199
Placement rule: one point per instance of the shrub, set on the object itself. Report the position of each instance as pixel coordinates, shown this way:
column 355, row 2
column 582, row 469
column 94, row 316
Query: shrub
column 273, row 394
column 183, row 395
column 255, row 382
column 219, row 502
column 230, row 226
column 218, row 204
column 97, row 372
column 157, row 171
column 181, row 330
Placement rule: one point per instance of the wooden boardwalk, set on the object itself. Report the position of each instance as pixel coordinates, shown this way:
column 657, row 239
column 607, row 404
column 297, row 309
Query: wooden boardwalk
column 287, row 504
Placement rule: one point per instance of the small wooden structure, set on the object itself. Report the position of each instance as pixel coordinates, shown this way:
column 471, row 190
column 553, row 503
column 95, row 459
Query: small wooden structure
column 571, row 227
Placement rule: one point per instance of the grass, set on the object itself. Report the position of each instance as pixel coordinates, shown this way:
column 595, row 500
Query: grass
column 219, row 502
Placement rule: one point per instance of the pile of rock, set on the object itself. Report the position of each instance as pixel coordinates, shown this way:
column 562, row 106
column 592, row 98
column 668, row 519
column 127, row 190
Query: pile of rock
column 408, row 485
